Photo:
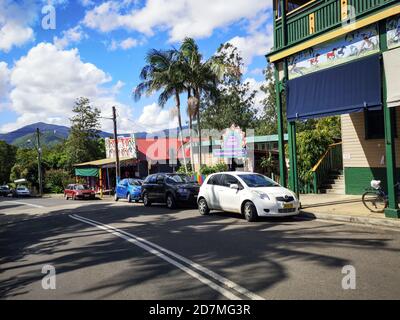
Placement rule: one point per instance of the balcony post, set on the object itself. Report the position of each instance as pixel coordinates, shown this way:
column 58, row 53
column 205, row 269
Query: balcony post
column 391, row 171
column 281, row 135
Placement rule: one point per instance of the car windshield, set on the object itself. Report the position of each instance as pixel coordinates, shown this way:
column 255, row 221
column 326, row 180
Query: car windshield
column 258, row 181
column 82, row 187
column 21, row 188
column 134, row 182
column 179, row 178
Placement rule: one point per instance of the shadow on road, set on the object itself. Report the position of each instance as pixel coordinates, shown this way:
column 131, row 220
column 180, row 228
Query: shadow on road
column 255, row 253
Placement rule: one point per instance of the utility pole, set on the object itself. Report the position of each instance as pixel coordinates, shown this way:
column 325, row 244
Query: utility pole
column 39, row 150
column 117, row 167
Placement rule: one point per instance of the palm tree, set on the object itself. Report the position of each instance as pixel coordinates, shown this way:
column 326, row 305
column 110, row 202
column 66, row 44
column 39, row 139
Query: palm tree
column 202, row 78
column 163, row 73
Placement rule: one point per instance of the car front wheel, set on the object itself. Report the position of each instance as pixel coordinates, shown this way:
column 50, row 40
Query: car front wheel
column 171, row 204
column 116, row 197
column 146, row 200
column 203, row 207
column 250, row 212
column 129, row 198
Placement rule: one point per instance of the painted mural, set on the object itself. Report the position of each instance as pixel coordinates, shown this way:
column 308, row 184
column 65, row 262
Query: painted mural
column 234, row 144
column 126, row 147
column 354, row 45
column 393, row 32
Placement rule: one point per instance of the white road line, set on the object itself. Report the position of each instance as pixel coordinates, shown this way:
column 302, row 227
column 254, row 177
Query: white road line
column 25, row 204
column 158, row 249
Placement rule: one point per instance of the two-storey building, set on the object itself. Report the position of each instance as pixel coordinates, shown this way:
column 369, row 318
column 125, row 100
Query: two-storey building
column 342, row 57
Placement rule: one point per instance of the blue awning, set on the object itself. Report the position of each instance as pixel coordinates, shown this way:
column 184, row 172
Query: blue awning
column 351, row 87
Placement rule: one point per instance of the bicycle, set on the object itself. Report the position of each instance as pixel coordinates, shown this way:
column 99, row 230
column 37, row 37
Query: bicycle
column 375, row 199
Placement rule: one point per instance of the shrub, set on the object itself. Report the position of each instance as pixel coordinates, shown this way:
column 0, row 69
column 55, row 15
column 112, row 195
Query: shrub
column 56, row 180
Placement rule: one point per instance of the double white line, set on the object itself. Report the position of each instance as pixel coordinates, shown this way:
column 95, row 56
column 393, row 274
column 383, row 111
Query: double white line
column 224, row 286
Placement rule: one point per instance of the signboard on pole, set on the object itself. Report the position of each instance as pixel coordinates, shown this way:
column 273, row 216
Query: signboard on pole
column 233, row 144
column 126, row 147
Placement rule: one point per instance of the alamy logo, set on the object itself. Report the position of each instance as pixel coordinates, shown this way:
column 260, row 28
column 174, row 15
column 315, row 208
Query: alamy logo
column 349, row 280
column 49, row 280
column 49, row 19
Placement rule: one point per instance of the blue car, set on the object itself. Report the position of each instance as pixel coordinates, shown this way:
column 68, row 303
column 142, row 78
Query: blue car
column 129, row 189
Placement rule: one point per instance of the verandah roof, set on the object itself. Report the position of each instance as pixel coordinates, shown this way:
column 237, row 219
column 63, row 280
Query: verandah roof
column 347, row 88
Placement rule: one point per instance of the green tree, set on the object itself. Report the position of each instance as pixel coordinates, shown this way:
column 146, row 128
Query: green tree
column 234, row 100
column 26, row 166
column 84, row 143
column 203, row 76
column 7, row 160
column 163, row 73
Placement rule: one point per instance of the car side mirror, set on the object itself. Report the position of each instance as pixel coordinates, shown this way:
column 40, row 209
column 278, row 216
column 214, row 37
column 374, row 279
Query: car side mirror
column 234, row 186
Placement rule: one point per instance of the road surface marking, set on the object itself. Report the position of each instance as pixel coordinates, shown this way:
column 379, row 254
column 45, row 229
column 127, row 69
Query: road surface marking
column 25, row 203
column 157, row 250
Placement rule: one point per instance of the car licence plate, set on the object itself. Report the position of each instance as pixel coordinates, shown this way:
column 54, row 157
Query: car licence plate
column 288, row 206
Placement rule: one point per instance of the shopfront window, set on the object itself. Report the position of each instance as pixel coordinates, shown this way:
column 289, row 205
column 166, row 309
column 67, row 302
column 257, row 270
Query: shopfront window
column 375, row 124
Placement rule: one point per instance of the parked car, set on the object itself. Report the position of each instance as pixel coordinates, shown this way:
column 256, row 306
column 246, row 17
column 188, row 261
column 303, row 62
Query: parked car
column 170, row 188
column 22, row 191
column 250, row 194
column 130, row 189
column 79, row 191
column 5, row 191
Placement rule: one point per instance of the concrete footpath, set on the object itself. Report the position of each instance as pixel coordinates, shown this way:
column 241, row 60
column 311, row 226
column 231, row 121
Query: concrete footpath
column 343, row 208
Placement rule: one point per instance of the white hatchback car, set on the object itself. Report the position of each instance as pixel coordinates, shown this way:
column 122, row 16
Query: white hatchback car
column 250, row 194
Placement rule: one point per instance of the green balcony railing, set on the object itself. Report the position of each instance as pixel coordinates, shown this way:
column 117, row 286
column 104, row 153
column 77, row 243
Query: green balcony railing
column 327, row 15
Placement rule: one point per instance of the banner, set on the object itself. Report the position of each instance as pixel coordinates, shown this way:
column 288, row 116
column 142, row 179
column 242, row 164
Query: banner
column 354, row 45
column 233, row 144
column 126, row 147
column 393, row 32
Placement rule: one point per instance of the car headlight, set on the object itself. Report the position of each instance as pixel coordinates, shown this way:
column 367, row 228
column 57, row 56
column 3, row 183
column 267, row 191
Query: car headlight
column 262, row 195
column 183, row 191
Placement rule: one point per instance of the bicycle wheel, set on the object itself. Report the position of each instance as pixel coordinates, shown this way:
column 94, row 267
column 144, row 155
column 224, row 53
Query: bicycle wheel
column 374, row 202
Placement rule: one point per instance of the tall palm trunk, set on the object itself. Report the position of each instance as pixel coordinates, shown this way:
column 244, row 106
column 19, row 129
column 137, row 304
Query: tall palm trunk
column 197, row 94
column 191, row 141
column 178, row 107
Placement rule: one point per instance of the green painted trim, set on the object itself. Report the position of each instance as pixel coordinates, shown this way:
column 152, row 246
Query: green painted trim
column 281, row 136
column 392, row 213
column 358, row 179
column 88, row 172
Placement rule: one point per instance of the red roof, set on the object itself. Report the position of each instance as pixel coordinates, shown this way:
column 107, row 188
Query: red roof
column 161, row 149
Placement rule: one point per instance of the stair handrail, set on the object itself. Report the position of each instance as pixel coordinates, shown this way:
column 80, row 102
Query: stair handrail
column 319, row 164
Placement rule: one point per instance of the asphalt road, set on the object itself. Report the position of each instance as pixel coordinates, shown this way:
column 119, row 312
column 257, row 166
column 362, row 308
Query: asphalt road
column 126, row 251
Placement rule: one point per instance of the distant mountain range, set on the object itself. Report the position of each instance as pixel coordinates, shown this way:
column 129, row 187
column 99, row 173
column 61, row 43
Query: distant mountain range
column 52, row 134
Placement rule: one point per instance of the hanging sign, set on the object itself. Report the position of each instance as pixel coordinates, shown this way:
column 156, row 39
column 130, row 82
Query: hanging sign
column 233, row 144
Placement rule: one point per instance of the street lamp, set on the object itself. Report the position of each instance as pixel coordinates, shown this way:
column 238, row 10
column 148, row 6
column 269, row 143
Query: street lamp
column 39, row 151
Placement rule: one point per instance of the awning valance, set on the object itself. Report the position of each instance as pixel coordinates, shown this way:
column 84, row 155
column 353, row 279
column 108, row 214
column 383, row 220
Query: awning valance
column 87, row 172
column 391, row 60
column 347, row 88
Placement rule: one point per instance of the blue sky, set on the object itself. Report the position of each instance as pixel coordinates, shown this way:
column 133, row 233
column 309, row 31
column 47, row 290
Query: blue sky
column 97, row 50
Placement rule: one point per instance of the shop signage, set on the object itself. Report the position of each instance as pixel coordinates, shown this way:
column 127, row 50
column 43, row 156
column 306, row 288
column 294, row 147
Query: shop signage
column 354, row 45
column 233, row 144
column 126, row 147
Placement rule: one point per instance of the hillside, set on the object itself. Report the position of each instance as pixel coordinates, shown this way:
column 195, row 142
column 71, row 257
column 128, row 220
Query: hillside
column 50, row 134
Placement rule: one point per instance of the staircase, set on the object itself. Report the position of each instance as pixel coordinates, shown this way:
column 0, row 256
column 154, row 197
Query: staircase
column 334, row 184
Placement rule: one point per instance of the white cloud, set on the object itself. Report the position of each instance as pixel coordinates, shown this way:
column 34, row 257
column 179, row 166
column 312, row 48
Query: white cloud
column 46, row 82
column 73, row 35
column 4, row 84
column 180, row 18
column 14, row 24
column 124, row 44
column 156, row 118
column 257, row 43
column 260, row 95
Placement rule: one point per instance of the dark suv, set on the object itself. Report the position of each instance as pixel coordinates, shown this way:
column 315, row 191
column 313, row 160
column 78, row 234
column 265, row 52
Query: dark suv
column 170, row 188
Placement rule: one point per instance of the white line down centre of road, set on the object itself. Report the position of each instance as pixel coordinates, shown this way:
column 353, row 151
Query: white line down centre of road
column 24, row 204
column 177, row 260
